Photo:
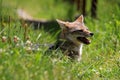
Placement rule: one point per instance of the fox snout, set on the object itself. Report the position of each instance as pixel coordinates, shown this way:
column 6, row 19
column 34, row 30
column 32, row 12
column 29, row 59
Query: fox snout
column 87, row 33
column 84, row 33
column 91, row 34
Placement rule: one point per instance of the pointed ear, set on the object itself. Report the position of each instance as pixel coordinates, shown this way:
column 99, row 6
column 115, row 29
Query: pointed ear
column 61, row 23
column 80, row 19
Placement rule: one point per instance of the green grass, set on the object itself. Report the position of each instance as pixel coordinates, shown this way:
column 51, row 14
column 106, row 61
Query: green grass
column 100, row 59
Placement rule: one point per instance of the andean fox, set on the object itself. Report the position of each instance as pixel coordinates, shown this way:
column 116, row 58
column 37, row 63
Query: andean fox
column 72, row 37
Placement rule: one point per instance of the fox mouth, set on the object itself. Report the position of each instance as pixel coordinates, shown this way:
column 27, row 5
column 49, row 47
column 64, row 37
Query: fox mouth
column 83, row 40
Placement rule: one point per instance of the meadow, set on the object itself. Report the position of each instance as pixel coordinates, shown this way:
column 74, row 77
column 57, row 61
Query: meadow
column 100, row 59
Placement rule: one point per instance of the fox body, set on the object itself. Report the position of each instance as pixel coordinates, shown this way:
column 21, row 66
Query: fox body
column 72, row 37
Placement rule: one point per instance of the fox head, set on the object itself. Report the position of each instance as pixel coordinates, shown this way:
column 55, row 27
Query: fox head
column 75, row 31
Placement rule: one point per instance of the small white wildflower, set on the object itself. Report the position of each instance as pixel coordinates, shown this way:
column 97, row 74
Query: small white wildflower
column 101, row 68
column 28, row 49
column 28, row 42
column 97, row 73
column 17, row 45
column 16, row 39
column 1, row 50
column 4, row 38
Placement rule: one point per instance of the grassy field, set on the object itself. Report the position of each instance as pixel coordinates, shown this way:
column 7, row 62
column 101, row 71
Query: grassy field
column 100, row 59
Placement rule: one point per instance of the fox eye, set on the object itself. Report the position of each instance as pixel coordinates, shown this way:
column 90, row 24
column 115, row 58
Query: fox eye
column 80, row 30
column 77, row 31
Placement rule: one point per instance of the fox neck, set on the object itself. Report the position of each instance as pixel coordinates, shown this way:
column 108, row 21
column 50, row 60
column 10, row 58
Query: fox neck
column 80, row 49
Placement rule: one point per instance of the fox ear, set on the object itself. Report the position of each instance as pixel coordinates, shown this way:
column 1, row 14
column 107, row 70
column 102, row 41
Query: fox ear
column 61, row 23
column 80, row 19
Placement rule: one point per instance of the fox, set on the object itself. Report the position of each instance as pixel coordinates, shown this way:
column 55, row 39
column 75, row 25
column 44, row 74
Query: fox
column 72, row 37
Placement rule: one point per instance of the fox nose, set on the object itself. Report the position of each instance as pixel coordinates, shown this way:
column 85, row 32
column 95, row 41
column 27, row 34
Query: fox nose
column 91, row 34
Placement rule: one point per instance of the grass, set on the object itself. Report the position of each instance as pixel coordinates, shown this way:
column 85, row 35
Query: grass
column 100, row 59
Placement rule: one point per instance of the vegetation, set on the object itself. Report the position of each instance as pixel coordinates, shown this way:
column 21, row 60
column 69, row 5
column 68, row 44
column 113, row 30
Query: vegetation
column 100, row 59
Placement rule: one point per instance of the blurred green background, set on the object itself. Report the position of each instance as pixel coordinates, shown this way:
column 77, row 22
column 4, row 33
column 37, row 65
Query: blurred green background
column 100, row 59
